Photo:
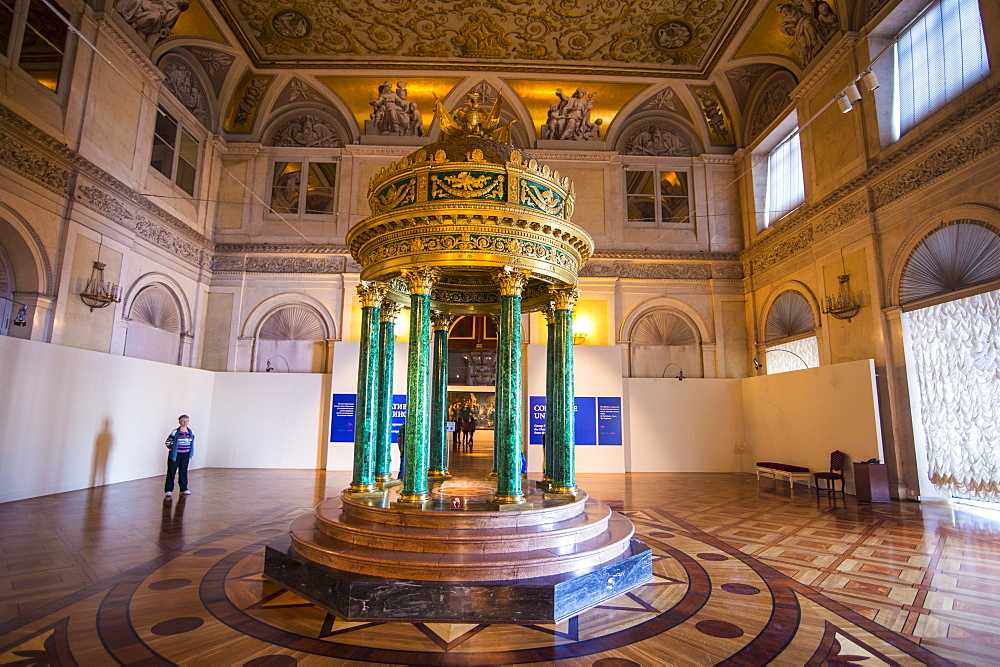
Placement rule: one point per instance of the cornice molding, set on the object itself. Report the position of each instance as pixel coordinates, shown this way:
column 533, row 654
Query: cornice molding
column 842, row 48
column 276, row 249
column 667, row 256
column 112, row 31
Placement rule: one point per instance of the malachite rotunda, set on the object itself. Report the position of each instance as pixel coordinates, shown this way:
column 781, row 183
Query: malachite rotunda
column 466, row 225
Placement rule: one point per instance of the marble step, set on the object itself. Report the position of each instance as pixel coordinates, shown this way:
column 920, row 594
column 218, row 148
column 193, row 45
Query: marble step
column 315, row 545
column 486, row 538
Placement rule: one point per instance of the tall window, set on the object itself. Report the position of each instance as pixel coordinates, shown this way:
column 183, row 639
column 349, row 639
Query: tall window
column 35, row 37
column 785, row 184
column 175, row 152
column 937, row 59
column 291, row 194
column 656, row 196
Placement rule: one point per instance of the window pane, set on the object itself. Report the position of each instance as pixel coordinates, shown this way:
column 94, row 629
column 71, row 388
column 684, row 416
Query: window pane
column 639, row 182
column 187, row 163
column 641, row 208
column 43, row 45
column 320, row 189
column 674, row 196
column 785, row 186
column 6, row 24
column 164, row 136
column 285, row 187
column 940, row 57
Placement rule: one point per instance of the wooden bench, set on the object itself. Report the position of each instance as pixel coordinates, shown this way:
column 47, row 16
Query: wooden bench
column 785, row 471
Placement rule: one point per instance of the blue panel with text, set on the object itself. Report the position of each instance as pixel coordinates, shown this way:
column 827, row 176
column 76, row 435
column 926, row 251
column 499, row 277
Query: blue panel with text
column 342, row 417
column 536, row 419
column 609, row 420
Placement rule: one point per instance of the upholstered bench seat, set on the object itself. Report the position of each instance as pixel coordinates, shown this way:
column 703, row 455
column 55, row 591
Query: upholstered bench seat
column 785, row 471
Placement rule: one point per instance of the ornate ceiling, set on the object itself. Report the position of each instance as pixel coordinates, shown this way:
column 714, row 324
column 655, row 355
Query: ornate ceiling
column 633, row 37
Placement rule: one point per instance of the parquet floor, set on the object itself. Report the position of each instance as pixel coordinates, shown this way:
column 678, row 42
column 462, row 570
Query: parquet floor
column 744, row 574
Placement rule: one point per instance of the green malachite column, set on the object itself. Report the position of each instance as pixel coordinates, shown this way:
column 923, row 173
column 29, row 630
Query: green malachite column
column 415, row 444
column 366, row 410
column 439, row 396
column 559, row 417
column 550, row 320
column 383, row 396
column 507, row 434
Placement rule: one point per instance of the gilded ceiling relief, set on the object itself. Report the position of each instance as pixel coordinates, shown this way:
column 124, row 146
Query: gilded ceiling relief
column 720, row 128
column 793, row 29
column 245, row 103
column 196, row 22
column 608, row 99
column 595, row 33
column 358, row 93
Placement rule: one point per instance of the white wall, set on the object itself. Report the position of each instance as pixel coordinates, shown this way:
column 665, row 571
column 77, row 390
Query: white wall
column 800, row 417
column 72, row 418
column 270, row 420
column 694, row 425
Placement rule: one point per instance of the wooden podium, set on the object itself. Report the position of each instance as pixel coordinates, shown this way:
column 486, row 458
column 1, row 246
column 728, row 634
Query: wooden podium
column 871, row 482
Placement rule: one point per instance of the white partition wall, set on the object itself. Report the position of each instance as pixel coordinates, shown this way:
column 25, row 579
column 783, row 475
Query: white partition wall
column 72, row 419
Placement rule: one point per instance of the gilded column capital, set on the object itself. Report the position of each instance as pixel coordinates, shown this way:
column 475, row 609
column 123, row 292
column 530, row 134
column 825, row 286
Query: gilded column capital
column 390, row 309
column 563, row 298
column 371, row 293
column 420, row 280
column 549, row 312
column 511, row 280
column 441, row 321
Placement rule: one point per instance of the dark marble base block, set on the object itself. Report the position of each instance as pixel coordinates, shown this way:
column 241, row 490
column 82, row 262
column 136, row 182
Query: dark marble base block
column 539, row 600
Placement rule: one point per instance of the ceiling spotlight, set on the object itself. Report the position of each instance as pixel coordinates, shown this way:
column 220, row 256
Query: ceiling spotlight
column 869, row 81
column 843, row 103
column 852, row 94
column 756, row 364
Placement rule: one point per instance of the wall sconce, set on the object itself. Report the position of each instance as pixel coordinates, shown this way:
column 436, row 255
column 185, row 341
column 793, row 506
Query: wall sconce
column 98, row 293
column 579, row 338
column 844, row 305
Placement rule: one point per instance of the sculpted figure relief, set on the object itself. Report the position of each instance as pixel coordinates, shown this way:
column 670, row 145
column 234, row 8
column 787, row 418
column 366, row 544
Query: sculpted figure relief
column 182, row 83
column 393, row 114
column 810, row 24
column 306, row 131
column 656, row 139
column 569, row 119
column 152, row 19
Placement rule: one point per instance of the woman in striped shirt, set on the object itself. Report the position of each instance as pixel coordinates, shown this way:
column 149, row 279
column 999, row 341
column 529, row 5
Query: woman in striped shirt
column 180, row 442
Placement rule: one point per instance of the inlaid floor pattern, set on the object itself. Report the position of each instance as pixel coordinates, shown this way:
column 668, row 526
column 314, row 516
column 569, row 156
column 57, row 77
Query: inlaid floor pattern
column 743, row 574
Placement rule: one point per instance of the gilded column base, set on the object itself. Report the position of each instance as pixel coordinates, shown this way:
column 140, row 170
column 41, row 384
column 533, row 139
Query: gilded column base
column 544, row 483
column 363, row 491
column 562, row 493
column 416, row 501
column 439, row 474
column 388, row 482
column 509, row 502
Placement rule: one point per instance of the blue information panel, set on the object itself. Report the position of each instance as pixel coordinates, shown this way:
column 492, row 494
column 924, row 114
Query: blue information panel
column 609, row 421
column 536, row 420
column 342, row 417
column 345, row 407
column 586, row 420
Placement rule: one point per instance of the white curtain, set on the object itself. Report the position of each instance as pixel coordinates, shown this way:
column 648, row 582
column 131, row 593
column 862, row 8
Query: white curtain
column 955, row 356
column 794, row 355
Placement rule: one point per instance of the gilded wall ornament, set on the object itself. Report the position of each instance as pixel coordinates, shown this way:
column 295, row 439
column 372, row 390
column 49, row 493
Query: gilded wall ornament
column 481, row 37
column 720, row 129
column 291, row 24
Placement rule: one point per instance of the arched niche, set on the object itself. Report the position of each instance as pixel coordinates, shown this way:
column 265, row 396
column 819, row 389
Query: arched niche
column 155, row 325
column 658, row 333
column 658, row 134
column 293, row 325
column 185, row 79
column 789, row 326
column 769, row 99
column 306, row 126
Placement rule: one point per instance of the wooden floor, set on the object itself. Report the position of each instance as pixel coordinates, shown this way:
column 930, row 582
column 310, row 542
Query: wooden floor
column 744, row 574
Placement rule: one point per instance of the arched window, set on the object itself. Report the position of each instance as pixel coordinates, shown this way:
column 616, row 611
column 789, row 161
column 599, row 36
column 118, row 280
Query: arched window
column 790, row 334
column 154, row 329
column 664, row 343
column 292, row 339
column 957, row 256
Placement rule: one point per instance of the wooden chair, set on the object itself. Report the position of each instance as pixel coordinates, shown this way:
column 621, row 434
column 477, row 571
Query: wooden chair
column 836, row 472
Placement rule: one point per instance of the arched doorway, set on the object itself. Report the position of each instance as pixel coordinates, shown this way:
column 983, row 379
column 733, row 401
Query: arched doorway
column 291, row 339
column 790, row 334
column 950, row 292
column 154, row 328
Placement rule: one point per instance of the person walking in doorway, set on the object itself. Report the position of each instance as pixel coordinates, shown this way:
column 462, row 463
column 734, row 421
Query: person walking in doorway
column 180, row 442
